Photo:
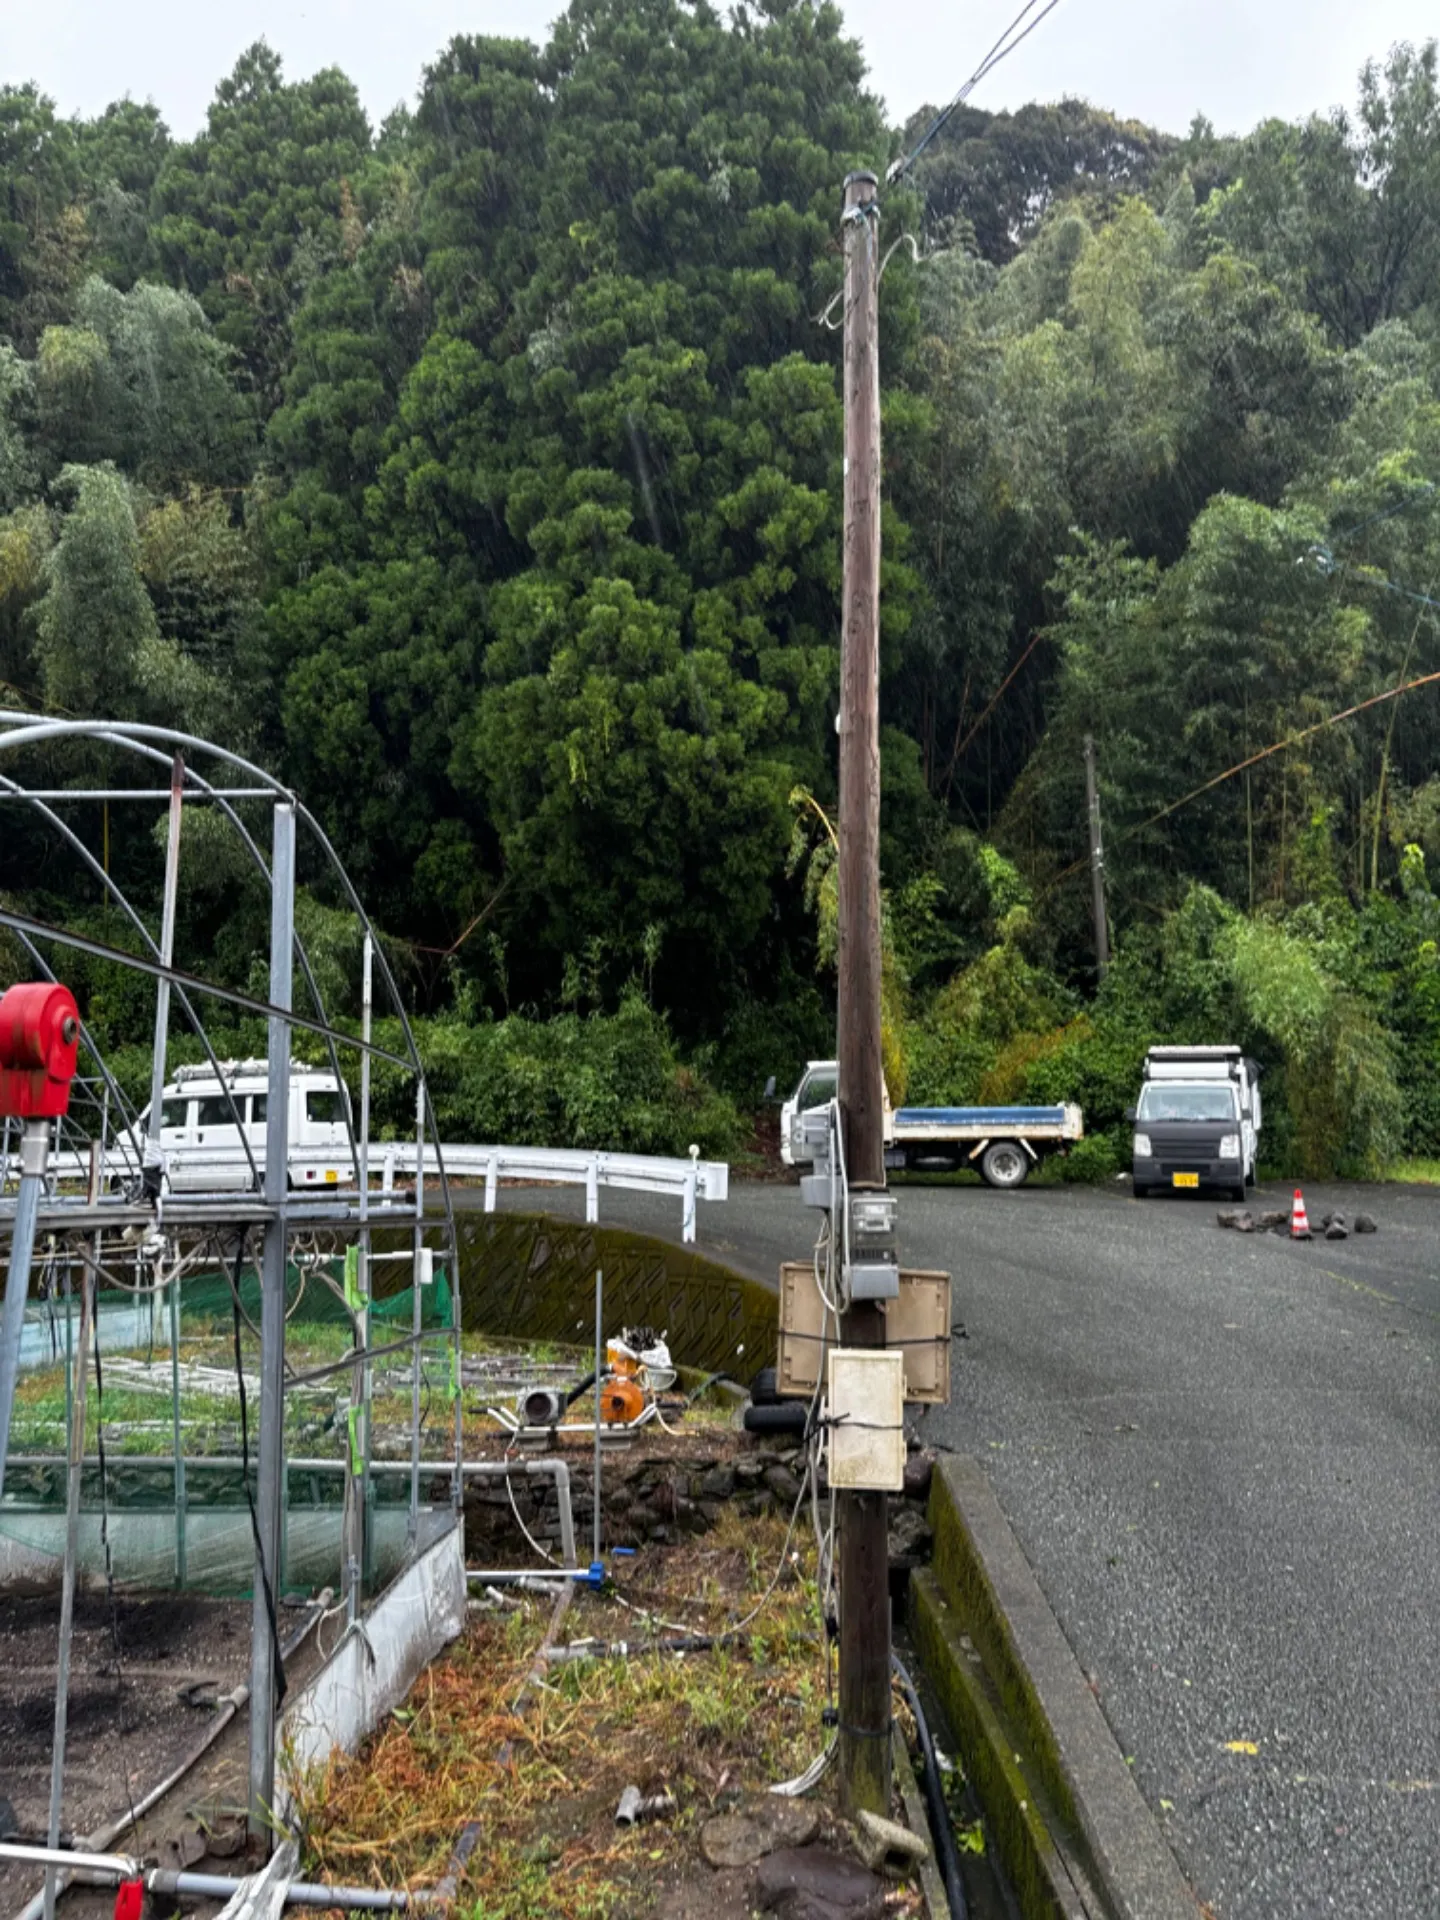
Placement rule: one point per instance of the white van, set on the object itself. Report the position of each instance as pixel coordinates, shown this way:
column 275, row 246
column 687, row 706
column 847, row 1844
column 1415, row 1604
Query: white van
column 201, row 1117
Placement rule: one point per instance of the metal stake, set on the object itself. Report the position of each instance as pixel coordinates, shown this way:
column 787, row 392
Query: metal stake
column 270, row 1486
column 599, row 1408
column 75, row 1471
column 157, row 1102
column 412, row 1529
column 34, row 1156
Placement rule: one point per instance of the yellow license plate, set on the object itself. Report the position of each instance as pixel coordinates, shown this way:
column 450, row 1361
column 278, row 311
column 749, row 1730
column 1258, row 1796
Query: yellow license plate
column 1185, row 1179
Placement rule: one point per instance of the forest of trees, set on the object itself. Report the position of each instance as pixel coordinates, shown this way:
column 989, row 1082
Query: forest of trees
column 479, row 473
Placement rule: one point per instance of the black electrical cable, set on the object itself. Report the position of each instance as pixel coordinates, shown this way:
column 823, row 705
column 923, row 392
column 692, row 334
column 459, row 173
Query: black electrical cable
column 281, row 1684
column 941, row 1828
column 1001, row 50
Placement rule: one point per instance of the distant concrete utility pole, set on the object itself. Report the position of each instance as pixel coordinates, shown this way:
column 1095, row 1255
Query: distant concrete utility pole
column 863, row 1519
column 1097, row 861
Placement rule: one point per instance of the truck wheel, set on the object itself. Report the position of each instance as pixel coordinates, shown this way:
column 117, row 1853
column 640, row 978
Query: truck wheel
column 1004, row 1163
column 1142, row 1193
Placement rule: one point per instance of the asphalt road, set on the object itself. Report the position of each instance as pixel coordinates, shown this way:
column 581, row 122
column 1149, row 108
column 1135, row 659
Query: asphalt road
column 1222, row 1456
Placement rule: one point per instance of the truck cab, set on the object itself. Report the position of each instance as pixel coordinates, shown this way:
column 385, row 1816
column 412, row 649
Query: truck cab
column 1197, row 1121
column 817, row 1088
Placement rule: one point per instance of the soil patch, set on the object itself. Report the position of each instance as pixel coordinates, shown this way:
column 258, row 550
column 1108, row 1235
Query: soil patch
column 714, row 1727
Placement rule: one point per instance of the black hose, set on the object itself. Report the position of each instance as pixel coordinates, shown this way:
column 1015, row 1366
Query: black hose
column 583, row 1387
column 941, row 1829
column 791, row 1416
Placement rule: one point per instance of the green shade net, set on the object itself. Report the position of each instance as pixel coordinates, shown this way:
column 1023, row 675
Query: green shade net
column 130, row 1513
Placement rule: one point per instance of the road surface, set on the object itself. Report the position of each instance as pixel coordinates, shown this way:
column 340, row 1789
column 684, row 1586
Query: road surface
column 1222, row 1456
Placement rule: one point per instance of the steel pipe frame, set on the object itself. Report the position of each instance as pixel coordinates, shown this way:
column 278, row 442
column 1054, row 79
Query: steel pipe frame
column 23, row 730
column 138, row 738
column 270, row 1481
column 34, row 1152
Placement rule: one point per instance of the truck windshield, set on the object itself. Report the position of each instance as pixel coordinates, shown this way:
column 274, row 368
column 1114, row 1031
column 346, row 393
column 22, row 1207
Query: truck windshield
column 817, row 1089
column 1161, row 1102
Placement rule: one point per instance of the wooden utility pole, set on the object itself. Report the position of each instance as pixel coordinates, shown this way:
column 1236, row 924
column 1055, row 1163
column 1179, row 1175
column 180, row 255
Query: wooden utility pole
column 864, row 1557
column 1097, row 861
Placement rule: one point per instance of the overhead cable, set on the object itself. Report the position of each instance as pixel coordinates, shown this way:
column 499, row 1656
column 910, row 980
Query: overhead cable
column 1002, row 48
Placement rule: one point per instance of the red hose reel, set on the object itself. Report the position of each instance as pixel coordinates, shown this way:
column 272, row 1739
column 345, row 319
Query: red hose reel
column 39, row 1046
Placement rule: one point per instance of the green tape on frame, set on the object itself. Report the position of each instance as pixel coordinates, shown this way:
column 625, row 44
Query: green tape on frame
column 355, row 1300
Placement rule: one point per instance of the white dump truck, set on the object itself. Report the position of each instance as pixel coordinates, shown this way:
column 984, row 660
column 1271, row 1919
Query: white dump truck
column 1002, row 1144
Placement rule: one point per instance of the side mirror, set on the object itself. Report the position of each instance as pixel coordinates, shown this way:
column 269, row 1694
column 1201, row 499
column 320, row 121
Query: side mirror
column 1130, row 1115
column 770, row 1088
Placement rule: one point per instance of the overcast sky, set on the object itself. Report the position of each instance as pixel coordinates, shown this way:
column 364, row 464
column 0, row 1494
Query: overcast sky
column 1161, row 61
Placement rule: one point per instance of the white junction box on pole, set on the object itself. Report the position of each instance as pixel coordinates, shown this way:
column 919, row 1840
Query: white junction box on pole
column 866, row 1394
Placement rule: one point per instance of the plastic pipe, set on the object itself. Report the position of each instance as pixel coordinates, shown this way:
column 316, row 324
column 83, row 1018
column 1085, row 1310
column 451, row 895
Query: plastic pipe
column 295, row 1893
column 591, row 1576
column 118, row 1864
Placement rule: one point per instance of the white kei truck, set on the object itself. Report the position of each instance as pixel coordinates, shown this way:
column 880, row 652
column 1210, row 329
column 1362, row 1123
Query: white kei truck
column 1197, row 1122
column 208, row 1120
column 1001, row 1144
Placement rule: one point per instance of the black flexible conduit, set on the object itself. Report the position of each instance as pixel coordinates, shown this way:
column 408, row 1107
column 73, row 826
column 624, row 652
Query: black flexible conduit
column 941, row 1829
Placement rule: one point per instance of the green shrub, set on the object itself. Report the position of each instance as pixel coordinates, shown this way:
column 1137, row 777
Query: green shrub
column 1096, row 1158
column 607, row 1081
column 1098, row 1065
column 768, row 1037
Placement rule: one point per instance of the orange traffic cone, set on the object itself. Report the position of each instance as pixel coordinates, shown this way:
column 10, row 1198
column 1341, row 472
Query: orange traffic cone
column 1299, row 1225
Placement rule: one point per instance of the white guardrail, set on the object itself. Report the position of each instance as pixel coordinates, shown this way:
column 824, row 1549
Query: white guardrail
column 221, row 1169
column 689, row 1180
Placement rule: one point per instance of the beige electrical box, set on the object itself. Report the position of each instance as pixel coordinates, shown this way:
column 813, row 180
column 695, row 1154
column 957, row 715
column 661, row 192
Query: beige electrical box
column 865, row 1406
column 917, row 1325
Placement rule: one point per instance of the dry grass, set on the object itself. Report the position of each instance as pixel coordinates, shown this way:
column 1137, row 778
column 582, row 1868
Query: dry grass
column 545, row 1783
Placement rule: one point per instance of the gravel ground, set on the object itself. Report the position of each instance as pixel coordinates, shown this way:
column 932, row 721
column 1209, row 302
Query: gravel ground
column 1222, row 1456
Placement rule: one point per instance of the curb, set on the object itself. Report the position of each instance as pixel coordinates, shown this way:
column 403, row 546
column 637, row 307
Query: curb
column 1072, row 1829
column 932, row 1887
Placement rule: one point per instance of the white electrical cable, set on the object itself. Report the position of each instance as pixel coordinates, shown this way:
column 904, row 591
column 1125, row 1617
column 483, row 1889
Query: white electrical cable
column 531, row 1541
column 803, row 1782
column 805, row 1479
column 838, row 1135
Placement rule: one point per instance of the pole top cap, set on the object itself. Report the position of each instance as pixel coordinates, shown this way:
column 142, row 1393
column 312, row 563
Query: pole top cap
column 861, row 178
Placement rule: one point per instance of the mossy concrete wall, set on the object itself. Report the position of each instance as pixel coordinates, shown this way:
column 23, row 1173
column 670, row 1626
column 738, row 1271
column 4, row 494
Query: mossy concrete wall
column 533, row 1277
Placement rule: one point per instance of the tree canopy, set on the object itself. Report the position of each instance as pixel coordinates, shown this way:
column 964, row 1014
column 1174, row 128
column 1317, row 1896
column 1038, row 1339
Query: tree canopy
column 482, row 473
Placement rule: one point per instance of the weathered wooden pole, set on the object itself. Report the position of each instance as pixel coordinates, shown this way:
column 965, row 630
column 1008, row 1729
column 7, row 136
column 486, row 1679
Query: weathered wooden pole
column 864, row 1600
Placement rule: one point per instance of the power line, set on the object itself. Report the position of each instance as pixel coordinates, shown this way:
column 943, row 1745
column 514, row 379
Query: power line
column 1278, row 746
column 1001, row 50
